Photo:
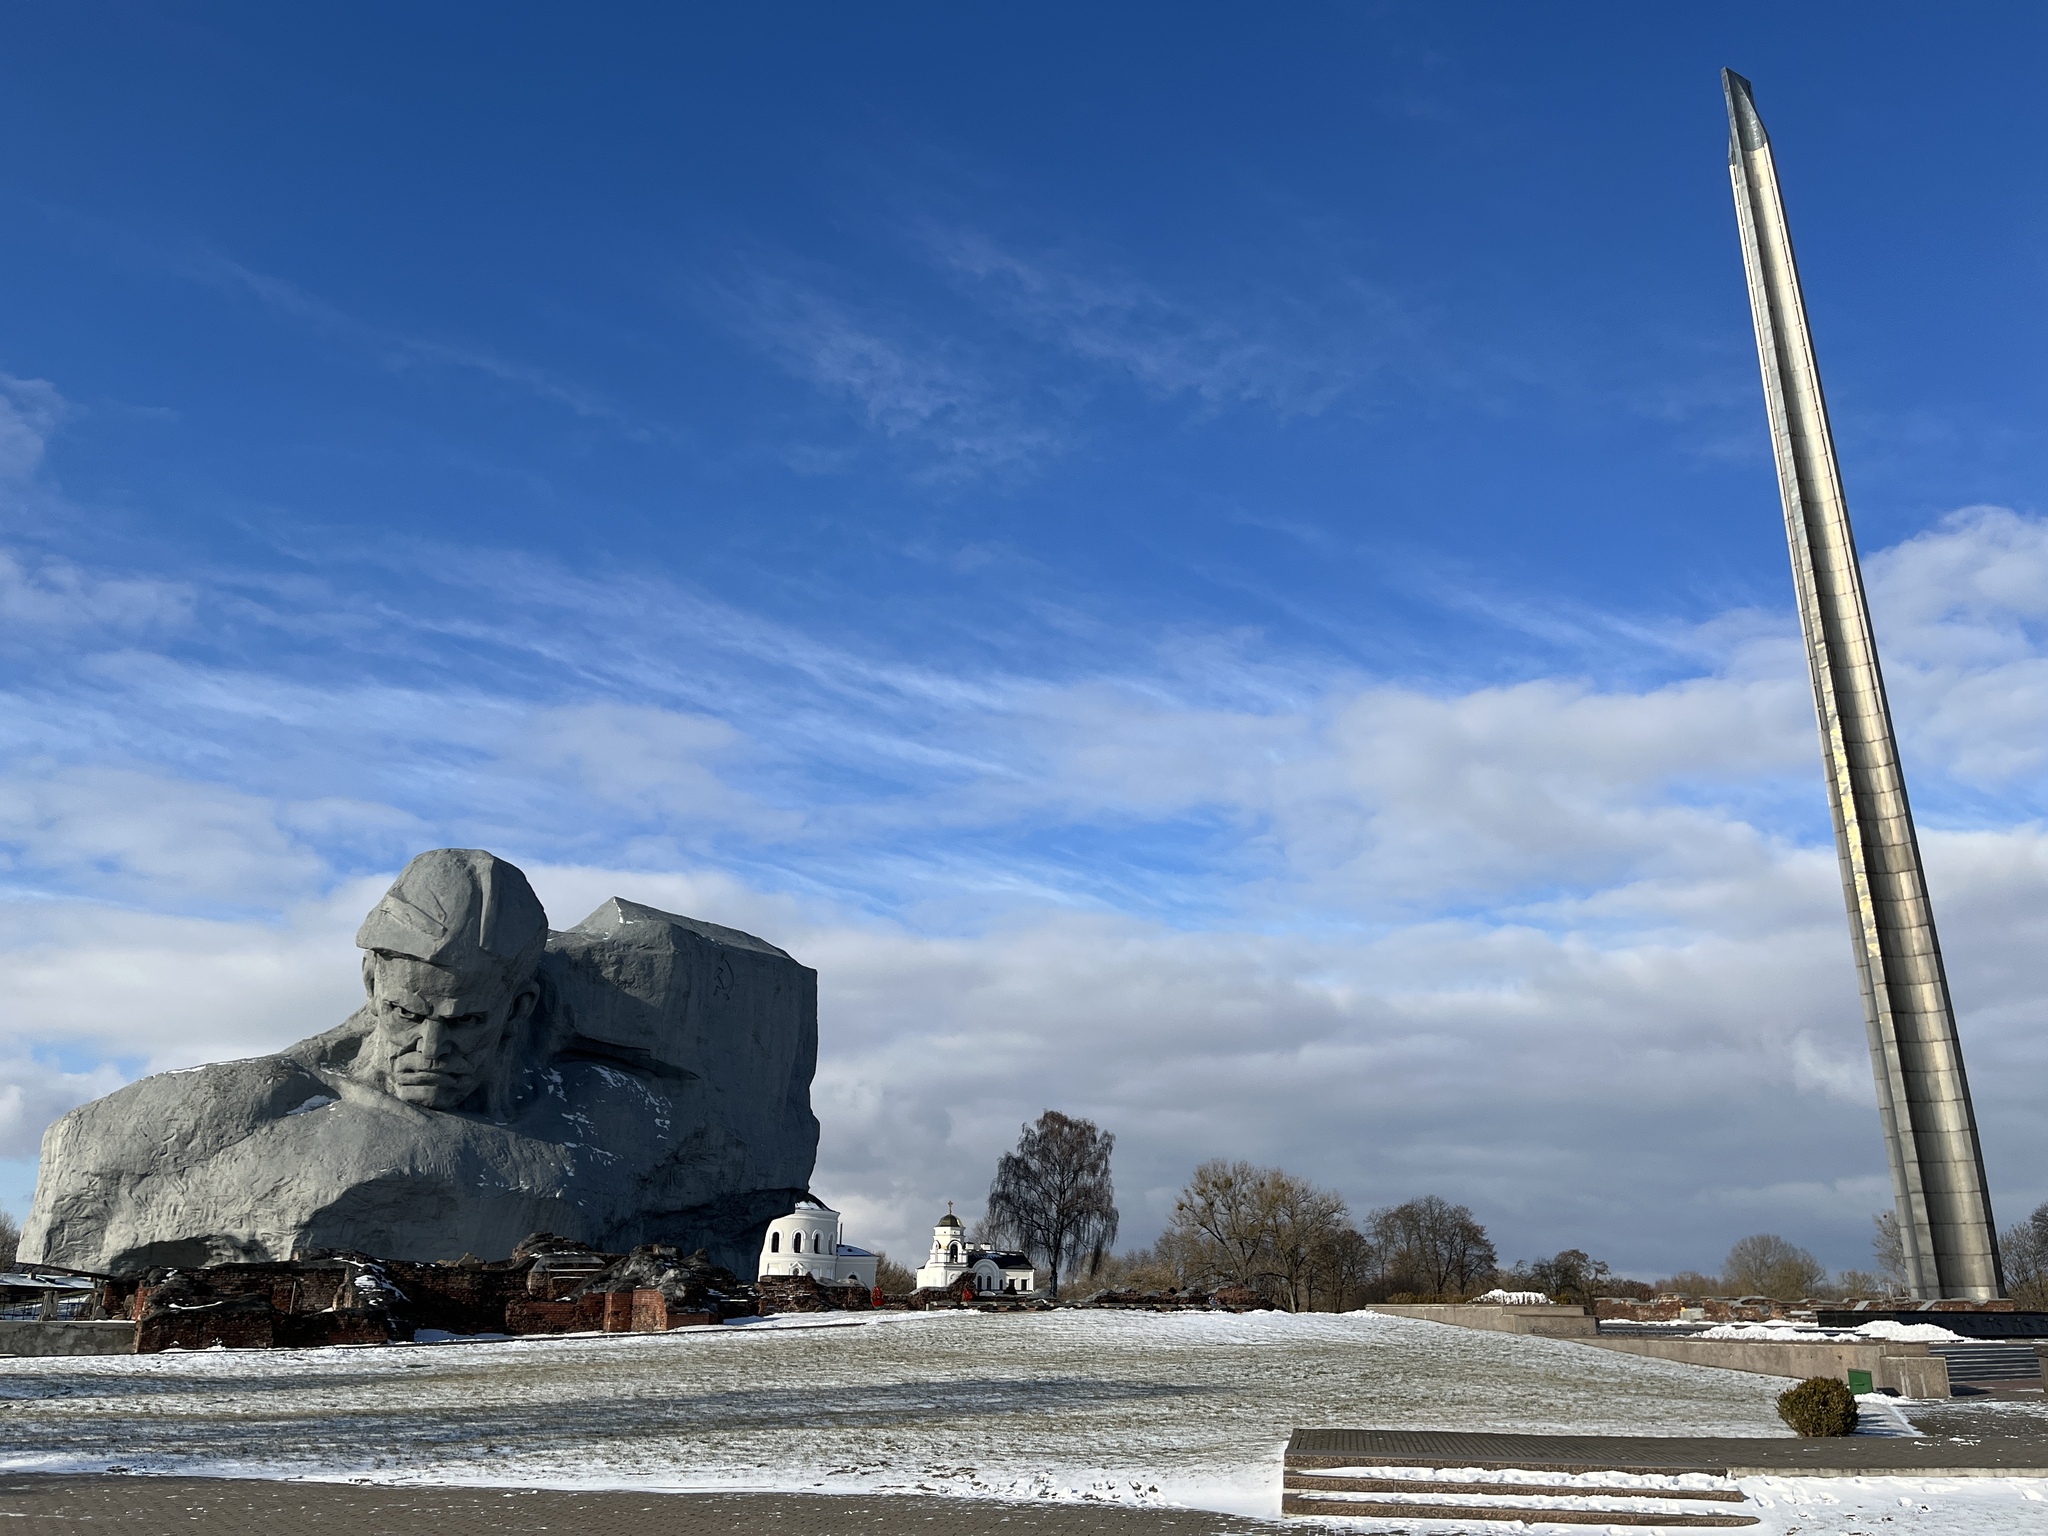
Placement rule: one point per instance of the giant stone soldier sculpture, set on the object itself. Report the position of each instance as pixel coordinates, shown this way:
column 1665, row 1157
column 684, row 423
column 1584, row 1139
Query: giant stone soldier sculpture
column 640, row 1078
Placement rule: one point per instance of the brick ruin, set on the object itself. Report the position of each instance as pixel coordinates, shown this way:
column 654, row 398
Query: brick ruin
column 548, row 1286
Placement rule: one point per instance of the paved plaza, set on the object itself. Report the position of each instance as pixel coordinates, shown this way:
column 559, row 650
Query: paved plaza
column 42, row 1505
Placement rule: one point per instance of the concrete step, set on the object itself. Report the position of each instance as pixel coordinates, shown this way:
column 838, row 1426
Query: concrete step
column 1316, row 1482
column 1326, row 1507
column 1977, row 1365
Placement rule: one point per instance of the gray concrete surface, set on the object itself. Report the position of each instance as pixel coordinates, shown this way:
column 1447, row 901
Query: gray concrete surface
column 49, row 1340
column 31, row 1505
column 1907, row 1369
column 1541, row 1322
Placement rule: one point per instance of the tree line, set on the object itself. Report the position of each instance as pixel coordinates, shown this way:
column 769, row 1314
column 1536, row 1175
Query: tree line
column 1768, row 1265
column 1299, row 1245
column 1273, row 1232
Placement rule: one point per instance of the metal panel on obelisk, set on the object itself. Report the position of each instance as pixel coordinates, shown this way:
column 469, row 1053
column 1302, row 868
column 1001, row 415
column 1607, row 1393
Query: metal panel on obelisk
column 1923, row 1098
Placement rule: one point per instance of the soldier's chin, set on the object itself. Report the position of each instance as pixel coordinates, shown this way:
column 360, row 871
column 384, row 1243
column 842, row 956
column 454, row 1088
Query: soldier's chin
column 429, row 1090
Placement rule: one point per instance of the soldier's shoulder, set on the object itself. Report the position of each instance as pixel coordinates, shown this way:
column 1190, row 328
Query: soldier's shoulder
column 194, row 1110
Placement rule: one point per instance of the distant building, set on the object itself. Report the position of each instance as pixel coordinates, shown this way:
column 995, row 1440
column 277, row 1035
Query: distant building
column 807, row 1242
column 955, row 1261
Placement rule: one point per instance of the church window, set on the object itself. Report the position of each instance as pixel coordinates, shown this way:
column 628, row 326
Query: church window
column 775, row 1242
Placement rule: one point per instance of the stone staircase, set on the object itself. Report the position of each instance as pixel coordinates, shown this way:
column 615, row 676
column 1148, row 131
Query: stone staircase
column 1485, row 1479
column 1990, row 1367
column 1431, row 1493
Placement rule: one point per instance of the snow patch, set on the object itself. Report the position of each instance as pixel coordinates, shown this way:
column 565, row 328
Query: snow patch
column 1909, row 1333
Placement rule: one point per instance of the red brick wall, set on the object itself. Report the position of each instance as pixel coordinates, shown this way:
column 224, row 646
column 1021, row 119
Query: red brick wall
column 525, row 1316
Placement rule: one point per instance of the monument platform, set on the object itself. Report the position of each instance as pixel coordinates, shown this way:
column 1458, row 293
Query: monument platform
column 1671, row 1455
column 1613, row 1480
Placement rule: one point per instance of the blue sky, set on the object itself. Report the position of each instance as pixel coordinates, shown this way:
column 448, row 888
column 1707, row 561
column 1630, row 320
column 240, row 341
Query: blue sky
column 1214, row 568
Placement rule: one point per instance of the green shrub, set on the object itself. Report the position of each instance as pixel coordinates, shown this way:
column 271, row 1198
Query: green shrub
column 1819, row 1406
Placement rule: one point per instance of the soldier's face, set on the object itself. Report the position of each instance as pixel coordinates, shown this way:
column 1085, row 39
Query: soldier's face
column 443, row 1032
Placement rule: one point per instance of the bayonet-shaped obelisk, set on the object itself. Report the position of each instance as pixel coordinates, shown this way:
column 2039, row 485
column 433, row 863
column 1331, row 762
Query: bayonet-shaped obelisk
column 1923, row 1098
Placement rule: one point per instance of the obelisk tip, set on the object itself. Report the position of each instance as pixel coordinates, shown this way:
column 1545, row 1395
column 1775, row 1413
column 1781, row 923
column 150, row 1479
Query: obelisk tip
column 1745, row 128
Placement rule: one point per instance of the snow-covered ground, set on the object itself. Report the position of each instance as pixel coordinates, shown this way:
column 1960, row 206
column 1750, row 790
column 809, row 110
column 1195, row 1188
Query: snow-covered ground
column 1145, row 1408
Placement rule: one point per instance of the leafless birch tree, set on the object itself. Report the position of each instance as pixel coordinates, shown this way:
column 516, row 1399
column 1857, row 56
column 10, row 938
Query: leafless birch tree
column 1053, row 1197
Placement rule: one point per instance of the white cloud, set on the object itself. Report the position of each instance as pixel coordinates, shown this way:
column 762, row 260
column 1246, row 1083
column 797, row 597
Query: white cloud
column 173, row 991
column 1551, row 948
column 906, row 383
column 33, row 1093
column 150, row 837
column 30, row 410
column 395, row 349
column 54, row 596
column 1961, row 613
column 1038, row 336
column 653, row 761
column 1295, row 359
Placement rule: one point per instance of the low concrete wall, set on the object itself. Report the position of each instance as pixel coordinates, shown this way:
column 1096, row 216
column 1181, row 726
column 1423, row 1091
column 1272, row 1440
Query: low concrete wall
column 37, row 1338
column 1543, row 1322
column 1907, row 1369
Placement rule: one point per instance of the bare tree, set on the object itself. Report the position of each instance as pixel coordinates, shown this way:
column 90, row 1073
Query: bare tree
column 1573, row 1276
column 893, row 1279
column 2025, row 1250
column 1890, row 1250
column 1053, row 1197
column 1303, row 1222
column 10, row 1240
column 1266, row 1229
column 1226, row 1206
column 1433, row 1248
column 1350, row 1267
column 1764, row 1264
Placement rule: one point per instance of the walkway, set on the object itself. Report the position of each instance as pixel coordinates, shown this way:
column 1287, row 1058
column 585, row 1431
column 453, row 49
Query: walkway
column 45, row 1506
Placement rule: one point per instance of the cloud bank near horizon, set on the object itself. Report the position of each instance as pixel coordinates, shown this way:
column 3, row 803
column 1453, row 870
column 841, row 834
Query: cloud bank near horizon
column 1566, row 948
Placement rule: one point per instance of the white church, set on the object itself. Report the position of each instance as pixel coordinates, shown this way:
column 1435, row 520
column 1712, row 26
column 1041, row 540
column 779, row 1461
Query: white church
column 955, row 1263
column 807, row 1242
